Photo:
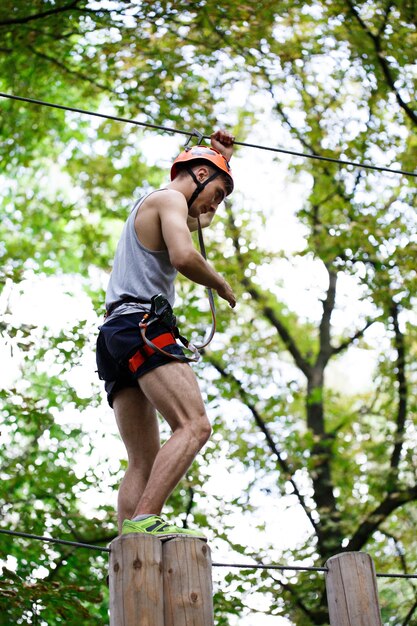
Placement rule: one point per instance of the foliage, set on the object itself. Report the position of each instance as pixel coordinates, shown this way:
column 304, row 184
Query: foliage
column 340, row 79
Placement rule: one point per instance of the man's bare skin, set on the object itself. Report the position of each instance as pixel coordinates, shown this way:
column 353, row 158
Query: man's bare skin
column 164, row 222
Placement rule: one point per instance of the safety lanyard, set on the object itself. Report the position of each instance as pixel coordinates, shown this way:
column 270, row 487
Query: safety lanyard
column 209, row 291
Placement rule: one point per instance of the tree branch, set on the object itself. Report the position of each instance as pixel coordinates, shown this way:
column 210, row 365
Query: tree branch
column 403, row 561
column 383, row 63
column 39, row 16
column 402, row 389
column 384, row 21
column 393, row 501
column 265, row 430
column 400, row 554
column 325, row 351
column 281, row 329
column 410, row 614
column 347, row 342
column 319, row 616
column 266, row 309
column 68, row 70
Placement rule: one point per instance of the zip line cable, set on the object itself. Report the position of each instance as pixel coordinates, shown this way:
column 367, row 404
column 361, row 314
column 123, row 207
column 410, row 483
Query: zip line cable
column 256, row 566
column 193, row 133
column 95, row 114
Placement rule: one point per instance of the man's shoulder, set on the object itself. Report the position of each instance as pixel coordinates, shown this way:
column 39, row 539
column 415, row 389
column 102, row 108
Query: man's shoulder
column 164, row 196
column 164, row 199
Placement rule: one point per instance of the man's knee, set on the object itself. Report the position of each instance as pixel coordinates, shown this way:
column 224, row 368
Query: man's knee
column 200, row 429
column 205, row 431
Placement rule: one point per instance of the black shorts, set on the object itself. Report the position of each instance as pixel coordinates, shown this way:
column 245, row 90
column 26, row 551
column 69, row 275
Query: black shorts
column 122, row 357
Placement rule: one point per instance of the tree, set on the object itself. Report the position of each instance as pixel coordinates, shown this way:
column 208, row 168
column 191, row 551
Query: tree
column 339, row 76
column 345, row 92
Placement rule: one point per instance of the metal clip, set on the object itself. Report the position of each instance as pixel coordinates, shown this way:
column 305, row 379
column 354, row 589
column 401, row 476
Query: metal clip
column 195, row 133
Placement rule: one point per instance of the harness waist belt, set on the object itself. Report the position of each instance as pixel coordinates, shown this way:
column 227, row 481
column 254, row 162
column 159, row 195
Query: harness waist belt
column 114, row 305
column 162, row 341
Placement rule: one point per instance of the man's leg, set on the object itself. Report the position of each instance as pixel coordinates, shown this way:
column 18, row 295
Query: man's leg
column 138, row 426
column 173, row 390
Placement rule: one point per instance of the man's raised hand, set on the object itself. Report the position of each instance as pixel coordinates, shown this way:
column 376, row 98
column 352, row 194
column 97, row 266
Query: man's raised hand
column 223, row 141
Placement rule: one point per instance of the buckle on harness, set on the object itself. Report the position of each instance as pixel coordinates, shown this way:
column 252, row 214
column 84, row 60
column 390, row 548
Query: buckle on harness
column 161, row 310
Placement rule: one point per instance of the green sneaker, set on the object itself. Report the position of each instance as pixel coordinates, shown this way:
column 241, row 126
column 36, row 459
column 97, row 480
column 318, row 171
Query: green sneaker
column 156, row 526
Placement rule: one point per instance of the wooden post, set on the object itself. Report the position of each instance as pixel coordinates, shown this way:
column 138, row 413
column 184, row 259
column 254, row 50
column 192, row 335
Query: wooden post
column 135, row 581
column 188, row 589
column 352, row 593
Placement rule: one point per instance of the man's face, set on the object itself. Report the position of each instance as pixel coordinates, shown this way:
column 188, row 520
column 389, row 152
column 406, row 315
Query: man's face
column 209, row 199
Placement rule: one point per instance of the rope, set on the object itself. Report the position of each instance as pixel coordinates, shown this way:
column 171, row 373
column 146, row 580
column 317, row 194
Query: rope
column 261, row 566
column 76, row 544
column 297, row 568
column 193, row 133
column 209, row 292
column 300, row 568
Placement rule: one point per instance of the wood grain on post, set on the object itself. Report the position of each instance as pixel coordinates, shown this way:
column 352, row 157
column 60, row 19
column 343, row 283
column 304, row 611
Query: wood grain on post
column 135, row 581
column 188, row 588
column 352, row 593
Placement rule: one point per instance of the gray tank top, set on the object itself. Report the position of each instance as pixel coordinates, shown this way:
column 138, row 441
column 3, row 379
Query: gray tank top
column 137, row 271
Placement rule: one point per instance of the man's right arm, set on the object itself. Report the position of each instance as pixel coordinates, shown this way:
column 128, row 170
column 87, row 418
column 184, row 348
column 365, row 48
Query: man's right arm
column 182, row 253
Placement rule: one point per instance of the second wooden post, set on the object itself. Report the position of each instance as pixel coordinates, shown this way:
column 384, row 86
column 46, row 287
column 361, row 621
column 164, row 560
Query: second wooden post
column 188, row 589
column 352, row 593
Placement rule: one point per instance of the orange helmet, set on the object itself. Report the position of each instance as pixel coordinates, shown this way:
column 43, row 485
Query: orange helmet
column 204, row 153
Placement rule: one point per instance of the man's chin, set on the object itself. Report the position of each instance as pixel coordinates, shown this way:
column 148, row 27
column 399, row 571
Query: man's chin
column 195, row 213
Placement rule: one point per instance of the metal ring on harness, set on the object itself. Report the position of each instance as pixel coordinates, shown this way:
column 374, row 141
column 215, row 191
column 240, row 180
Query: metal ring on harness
column 175, row 357
column 149, row 319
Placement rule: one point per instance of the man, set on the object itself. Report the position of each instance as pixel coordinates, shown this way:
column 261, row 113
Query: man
column 155, row 244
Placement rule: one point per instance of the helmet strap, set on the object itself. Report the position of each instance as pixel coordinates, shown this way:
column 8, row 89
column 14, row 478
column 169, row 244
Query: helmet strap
column 199, row 186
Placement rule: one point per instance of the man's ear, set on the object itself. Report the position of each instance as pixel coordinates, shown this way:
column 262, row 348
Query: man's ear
column 202, row 173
